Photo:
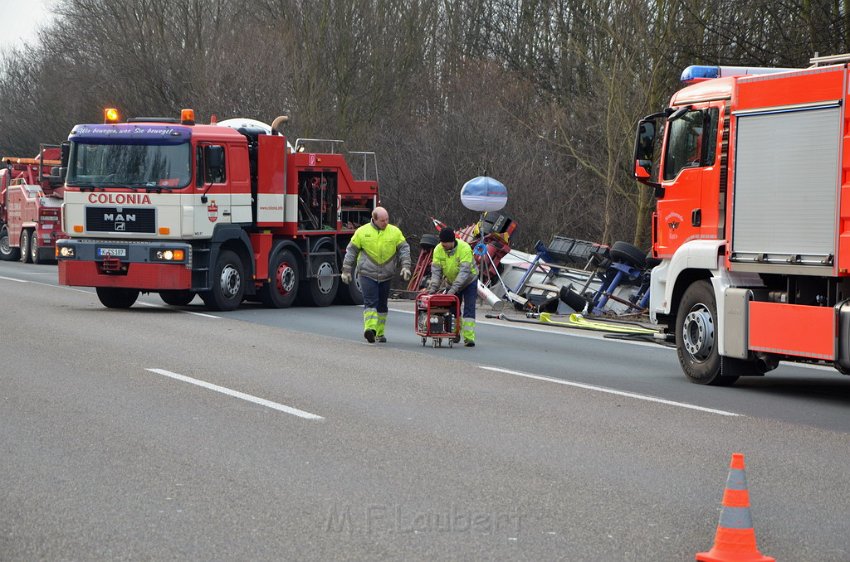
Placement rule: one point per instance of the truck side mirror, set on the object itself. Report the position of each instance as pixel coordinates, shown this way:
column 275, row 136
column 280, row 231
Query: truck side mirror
column 645, row 148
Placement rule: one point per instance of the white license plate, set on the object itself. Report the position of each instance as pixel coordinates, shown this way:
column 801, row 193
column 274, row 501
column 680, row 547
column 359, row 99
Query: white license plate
column 112, row 252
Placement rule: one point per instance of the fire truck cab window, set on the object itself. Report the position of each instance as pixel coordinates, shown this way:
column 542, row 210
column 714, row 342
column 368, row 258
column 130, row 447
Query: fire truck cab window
column 690, row 142
column 211, row 165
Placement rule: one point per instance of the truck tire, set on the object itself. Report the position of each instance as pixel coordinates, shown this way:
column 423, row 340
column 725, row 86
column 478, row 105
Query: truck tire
column 281, row 290
column 110, row 297
column 7, row 252
column 321, row 290
column 35, row 249
column 228, row 283
column 628, row 254
column 351, row 293
column 177, row 297
column 696, row 336
column 25, row 246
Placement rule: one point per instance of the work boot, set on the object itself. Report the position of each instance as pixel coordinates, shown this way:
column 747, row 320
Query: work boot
column 382, row 339
column 469, row 343
column 369, row 335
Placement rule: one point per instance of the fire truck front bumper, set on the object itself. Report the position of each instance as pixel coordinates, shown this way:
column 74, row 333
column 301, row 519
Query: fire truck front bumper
column 147, row 266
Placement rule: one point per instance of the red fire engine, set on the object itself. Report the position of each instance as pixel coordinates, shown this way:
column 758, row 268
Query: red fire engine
column 30, row 203
column 229, row 211
column 751, row 170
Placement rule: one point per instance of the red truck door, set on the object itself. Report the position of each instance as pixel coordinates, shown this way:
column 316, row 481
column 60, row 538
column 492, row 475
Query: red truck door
column 690, row 207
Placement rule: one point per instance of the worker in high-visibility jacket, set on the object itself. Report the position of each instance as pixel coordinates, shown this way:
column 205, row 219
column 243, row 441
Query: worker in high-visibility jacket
column 453, row 260
column 374, row 253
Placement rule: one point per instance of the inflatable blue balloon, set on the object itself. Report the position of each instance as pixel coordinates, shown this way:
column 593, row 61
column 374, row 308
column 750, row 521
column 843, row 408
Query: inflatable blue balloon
column 484, row 194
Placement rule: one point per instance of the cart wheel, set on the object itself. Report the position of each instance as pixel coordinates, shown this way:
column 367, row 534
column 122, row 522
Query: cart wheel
column 434, row 343
column 451, row 344
column 423, row 341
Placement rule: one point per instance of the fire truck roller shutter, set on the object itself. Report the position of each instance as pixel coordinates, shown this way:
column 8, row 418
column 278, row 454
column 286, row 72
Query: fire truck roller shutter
column 786, row 176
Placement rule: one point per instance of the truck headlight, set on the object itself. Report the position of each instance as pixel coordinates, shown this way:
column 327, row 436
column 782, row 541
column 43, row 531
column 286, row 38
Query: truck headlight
column 64, row 252
column 170, row 254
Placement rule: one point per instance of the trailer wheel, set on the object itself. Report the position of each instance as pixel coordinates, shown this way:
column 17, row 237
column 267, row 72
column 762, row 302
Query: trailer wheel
column 177, row 297
column 321, row 290
column 281, row 290
column 111, row 297
column 25, row 246
column 626, row 253
column 228, row 283
column 696, row 336
column 7, row 252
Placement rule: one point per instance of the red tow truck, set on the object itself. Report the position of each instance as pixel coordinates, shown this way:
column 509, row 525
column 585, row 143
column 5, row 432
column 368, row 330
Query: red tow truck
column 227, row 210
column 30, row 204
column 751, row 171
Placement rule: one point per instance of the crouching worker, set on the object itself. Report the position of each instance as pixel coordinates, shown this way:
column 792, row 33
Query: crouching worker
column 453, row 260
column 376, row 249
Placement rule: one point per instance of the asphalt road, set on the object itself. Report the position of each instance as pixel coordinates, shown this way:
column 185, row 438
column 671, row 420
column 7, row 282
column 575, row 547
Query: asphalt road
column 164, row 433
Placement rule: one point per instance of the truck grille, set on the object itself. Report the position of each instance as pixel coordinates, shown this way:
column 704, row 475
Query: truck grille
column 120, row 219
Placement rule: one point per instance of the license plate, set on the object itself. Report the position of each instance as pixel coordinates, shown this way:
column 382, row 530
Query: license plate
column 112, row 252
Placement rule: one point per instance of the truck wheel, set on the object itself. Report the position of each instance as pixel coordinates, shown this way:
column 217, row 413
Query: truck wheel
column 628, row 254
column 351, row 293
column 177, row 298
column 281, row 290
column 696, row 336
column 25, row 246
column 321, row 289
column 35, row 251
column 111, row 297
column 7, row 252
column 228, row 283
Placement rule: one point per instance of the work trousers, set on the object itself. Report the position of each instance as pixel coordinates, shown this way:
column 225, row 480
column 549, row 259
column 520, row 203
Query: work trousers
column 375, row 297
column 467, row 297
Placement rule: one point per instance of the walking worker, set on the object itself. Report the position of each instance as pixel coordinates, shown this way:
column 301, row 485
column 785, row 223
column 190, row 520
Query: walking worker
column 453, row 260
column 374, row 253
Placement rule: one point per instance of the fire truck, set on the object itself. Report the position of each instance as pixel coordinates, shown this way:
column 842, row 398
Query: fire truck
column 751, row 172
column 227, row 210
column 30, row 204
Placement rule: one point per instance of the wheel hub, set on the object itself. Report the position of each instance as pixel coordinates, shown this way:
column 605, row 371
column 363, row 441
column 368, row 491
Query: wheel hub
column 285, row 279
column 324, row 278
column 698, row 333
column 230, row 281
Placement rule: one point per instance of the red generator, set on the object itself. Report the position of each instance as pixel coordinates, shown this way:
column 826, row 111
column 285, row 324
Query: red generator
column 437, row 317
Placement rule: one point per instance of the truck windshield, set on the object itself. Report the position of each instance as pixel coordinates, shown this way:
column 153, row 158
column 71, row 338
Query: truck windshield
column 157, row 166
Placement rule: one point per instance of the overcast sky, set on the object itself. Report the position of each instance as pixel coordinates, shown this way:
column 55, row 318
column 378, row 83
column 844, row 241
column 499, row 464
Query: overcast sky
column 21, row 18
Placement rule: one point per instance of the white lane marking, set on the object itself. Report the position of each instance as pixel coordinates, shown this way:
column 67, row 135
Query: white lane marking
column 237, row 394
column 154, row 305
column 13, row 279
column 611, row 391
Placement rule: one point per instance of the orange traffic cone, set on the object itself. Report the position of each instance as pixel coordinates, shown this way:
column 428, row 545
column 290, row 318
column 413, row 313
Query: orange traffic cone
column 735, row 540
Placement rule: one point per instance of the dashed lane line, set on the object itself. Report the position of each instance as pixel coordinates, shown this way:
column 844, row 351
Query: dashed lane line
column 611, row 391
column 241, row 395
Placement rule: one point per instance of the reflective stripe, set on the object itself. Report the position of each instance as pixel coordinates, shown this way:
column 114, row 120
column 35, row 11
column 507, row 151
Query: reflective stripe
column 468, row 330
column 737, row 480
column 370, row 319
column 736, row 518
column 382, row 322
